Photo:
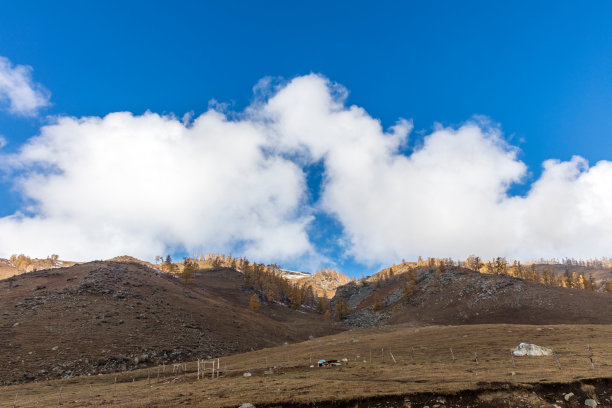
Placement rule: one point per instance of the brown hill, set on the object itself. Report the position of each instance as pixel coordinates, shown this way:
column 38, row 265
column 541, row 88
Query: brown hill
column 109, row 316
column 462, row 296
column 127, row 258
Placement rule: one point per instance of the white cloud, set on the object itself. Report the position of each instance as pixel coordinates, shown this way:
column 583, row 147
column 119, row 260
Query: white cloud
column 2, row 141
column 142, row 184
column 23, row 95
column 449, row 197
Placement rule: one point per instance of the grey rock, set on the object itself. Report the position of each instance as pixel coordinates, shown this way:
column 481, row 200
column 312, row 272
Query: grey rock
column 590, row 402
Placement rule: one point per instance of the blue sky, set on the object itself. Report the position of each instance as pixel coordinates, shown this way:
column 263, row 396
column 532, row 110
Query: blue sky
column 541, row 71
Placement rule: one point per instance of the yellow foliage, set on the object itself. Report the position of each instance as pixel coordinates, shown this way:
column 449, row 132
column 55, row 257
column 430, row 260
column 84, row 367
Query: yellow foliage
column 254, row 302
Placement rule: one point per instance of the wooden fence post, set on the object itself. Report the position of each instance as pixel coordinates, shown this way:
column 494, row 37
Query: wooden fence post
column 591, row 356
column 557, row 359
column 391, row 354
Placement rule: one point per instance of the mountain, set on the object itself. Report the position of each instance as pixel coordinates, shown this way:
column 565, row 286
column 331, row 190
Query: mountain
column 21, row 264
column 7, row 269
column 106, row 316
column 462, row 296
column 324, row 282
column 124, row 314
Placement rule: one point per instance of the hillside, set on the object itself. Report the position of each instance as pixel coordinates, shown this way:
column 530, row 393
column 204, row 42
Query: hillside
column 324, row 282
column 600, row 273
column 6, row 269
column 107, row 316
column 131, row 259
column 9, row 269
column 462, row 296
column 396, row 366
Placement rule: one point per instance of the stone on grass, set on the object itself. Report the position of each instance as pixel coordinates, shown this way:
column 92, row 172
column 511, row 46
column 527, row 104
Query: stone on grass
column 526, row 349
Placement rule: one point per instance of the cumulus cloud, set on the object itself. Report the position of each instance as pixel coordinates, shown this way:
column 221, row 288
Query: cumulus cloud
column 97, row 187
column 142, row 184
column 17, row 89
column 450, row 196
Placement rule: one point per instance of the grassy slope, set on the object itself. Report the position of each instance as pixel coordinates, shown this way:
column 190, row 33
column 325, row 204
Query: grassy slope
column 424, row 363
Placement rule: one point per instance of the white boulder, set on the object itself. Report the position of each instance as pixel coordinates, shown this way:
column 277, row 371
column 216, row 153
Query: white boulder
column 526, row 349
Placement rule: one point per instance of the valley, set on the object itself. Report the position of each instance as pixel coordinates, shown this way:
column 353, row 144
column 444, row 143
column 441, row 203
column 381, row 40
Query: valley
column 125, row 333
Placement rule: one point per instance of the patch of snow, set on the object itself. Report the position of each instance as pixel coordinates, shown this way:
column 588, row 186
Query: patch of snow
column 294, row 274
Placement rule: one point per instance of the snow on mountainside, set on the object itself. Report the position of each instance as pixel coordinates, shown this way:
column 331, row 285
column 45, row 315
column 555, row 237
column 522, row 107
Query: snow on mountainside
column 324, row 282
column 294, row 274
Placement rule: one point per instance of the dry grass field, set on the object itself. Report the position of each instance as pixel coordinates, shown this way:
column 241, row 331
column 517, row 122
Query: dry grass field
column 281, row 376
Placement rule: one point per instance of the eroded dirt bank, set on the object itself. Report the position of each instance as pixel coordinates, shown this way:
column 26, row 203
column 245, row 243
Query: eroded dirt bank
column 490, row 395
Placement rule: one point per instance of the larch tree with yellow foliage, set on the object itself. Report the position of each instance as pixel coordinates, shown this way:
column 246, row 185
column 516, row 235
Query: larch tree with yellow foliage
column 254, row 302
